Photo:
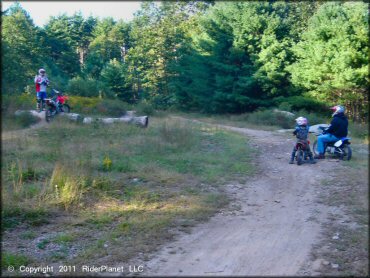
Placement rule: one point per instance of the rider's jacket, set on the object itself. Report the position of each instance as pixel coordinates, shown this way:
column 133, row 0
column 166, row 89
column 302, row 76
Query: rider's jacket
column 41, row 83
column 338, row 126
column 301, row 132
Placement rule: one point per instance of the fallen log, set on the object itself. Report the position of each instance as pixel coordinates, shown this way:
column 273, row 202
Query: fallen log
column 286, row 113
column 72, row 116
column 317, row 129
column 129, row 118
column 35, row 113
column 140, row 121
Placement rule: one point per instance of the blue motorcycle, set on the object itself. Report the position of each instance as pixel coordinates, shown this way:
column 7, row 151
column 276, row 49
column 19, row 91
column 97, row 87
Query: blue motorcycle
column 340, row 149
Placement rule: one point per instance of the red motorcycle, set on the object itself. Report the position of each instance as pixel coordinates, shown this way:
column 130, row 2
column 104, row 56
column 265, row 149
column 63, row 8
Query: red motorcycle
column 56, row 104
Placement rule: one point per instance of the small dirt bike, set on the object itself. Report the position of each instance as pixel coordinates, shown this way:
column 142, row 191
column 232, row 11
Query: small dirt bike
column 301, row 153
column 55, row 105
column 340, row 148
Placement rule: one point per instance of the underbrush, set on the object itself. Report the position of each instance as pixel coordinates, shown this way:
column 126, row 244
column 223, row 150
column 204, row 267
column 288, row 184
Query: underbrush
column 278, row 118
column 271, row 119
column 13, row 122
column 12, row 103
column 98, row 106
column 111, row 107
column 122, row 185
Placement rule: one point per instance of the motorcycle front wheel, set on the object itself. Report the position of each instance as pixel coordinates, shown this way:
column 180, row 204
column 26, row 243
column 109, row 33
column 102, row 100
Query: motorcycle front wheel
column 314, row 148
column 347, row 155
column 66, row 108
column 48, row 115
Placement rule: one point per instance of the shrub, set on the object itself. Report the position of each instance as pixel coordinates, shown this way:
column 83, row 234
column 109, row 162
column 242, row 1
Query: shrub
column 296, row 103
column 313, row 118
column 358, row 130
column 145, row 108
column 23, row 120
column 96, row 105
column 11, row 103
column 112, row 107
column 83, row 87
column 26, row 119
column 269, row 117
column 85, row 105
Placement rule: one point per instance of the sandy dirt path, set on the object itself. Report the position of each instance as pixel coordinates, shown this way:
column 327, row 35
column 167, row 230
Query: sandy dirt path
column 273, row 231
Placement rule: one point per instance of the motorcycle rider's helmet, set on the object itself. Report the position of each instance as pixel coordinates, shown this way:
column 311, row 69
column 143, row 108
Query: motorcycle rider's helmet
column 301, row 121
column 41, row 71
column 337, row 109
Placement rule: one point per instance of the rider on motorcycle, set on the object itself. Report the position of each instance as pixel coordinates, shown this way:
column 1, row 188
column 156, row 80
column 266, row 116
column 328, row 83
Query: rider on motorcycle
column 41, row 82
column 338, row 128
column 301, row 132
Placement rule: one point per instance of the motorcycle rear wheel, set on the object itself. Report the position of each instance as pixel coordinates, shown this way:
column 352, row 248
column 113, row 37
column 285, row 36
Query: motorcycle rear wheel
column 299, row 157
column 347, row 153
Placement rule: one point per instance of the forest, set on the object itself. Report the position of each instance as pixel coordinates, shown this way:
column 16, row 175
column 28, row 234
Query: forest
column 204, row 56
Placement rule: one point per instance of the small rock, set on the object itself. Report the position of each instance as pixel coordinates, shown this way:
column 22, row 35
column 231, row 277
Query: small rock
column 325, row 262
column 135, row 180
column 335, row 237
column 277, row 201
column 334, row 265
column 316, row 264
column 105, row 245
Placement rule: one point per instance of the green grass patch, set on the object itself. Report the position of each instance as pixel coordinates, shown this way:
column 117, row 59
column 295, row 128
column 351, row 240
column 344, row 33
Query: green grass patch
column 15, row 260
column 64, row 238
column 28, row 235
column 125, row 185
column 13, row 216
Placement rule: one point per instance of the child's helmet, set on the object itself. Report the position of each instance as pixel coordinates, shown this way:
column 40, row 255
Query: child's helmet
column 338, row 109
column 41, row 71
column 301, row 121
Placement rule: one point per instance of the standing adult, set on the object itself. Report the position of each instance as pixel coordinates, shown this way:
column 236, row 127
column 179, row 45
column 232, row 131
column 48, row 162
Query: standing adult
column 41, row 81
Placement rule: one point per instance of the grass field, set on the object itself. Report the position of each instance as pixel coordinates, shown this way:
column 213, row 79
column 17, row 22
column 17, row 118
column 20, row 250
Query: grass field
column 103, row 193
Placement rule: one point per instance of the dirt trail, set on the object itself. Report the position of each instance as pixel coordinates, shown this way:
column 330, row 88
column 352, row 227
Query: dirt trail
column 273, row 231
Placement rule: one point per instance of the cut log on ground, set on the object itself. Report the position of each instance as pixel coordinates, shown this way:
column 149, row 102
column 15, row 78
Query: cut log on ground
column 318, row 128
column 129, row 118
column 140, row 121
column 35, row 113
column 72, row 116
column 286, row 113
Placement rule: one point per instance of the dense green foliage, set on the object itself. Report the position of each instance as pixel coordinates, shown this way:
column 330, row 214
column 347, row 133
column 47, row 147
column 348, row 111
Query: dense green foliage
column 214, row 57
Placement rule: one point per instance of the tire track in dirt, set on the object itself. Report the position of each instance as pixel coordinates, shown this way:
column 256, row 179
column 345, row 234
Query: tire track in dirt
column 272, row 233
